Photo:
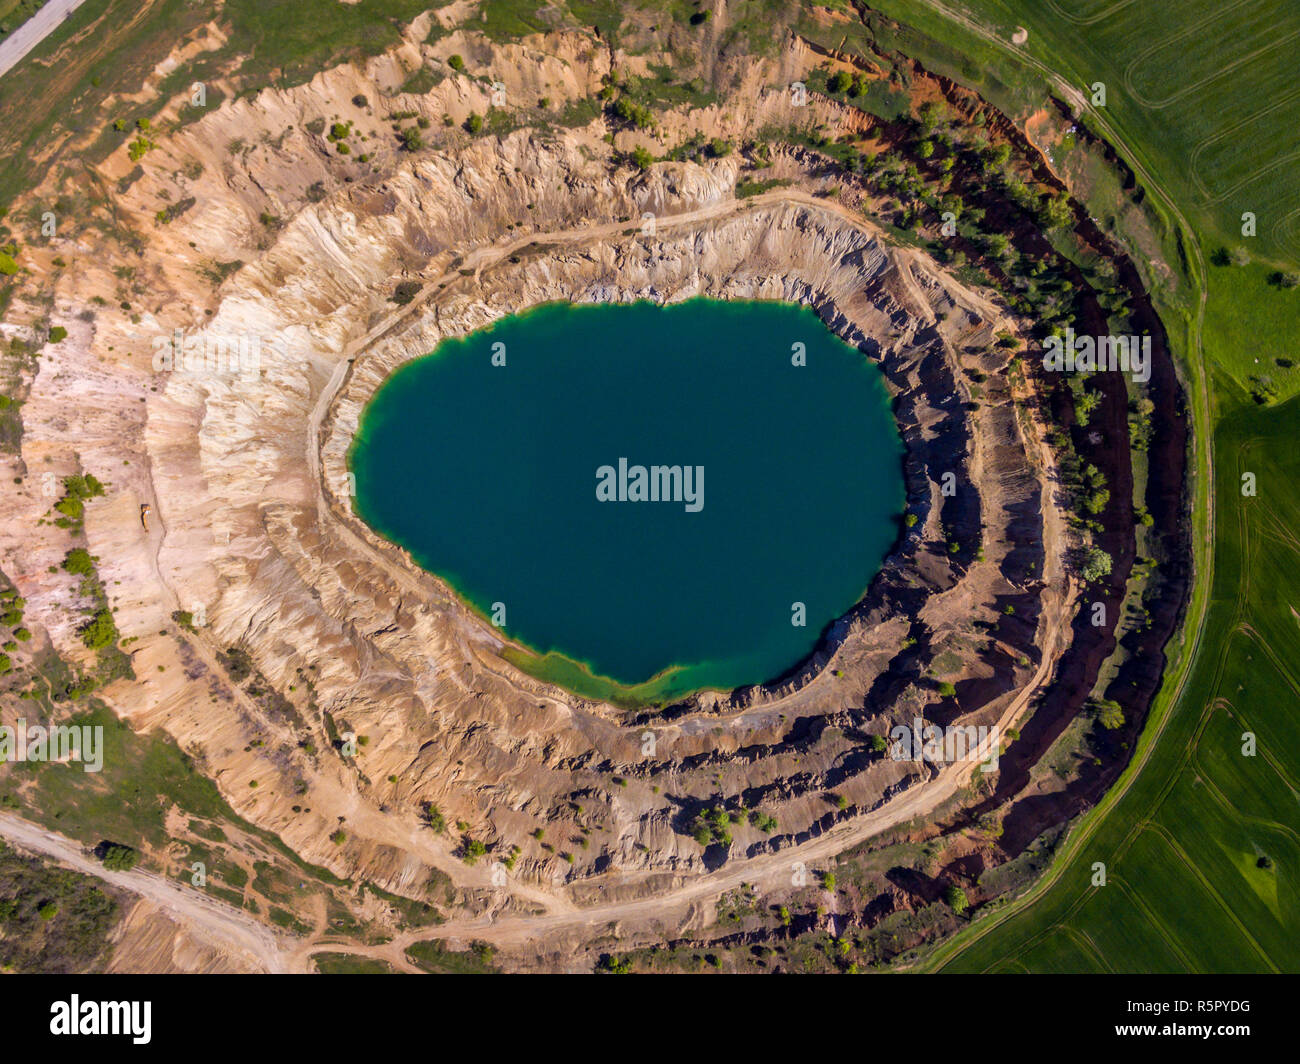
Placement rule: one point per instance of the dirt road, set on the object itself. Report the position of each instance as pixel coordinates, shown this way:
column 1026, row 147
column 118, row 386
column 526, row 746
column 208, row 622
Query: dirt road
column 226, row 928
column 33, row 31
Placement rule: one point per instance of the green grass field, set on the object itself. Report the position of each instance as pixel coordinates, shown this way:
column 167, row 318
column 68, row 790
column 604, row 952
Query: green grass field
column 1252, row 329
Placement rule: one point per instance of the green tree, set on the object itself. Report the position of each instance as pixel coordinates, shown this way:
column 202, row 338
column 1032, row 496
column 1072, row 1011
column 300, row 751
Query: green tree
column 78, row 562
column 99, row 631
column 118, row 858
column 633, row 113
column 1096, row 564
column 1110, row 714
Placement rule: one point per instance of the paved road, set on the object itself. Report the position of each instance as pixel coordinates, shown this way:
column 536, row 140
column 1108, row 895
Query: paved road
column 33, row 31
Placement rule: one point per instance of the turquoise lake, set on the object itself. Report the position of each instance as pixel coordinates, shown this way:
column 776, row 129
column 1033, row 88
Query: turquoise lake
column 517, row 484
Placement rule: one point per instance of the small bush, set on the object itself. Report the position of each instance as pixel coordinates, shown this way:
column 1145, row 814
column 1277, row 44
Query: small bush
column 78, row 562
column 405, row 292
column 118, row 858
column 99, row 631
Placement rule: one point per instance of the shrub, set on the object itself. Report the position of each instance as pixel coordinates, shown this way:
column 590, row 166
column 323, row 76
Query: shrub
column 78, row 562
column 456, row 62
column 611, row 965
column 434, row 818
column 58, row 333
column 474, row 123
column 1096, row 564
column 712, row 825
column 76, row 489
column 946, row 689
column 405, row 292
column 99, row 631
column 633, row 113
column 956, row 898
column 1110, row 714
column 118, row 858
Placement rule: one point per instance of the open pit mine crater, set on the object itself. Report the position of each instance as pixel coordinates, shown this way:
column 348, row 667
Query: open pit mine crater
column 227, row 502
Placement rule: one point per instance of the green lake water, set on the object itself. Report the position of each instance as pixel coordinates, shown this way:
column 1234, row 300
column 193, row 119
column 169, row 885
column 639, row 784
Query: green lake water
column 789, row 490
